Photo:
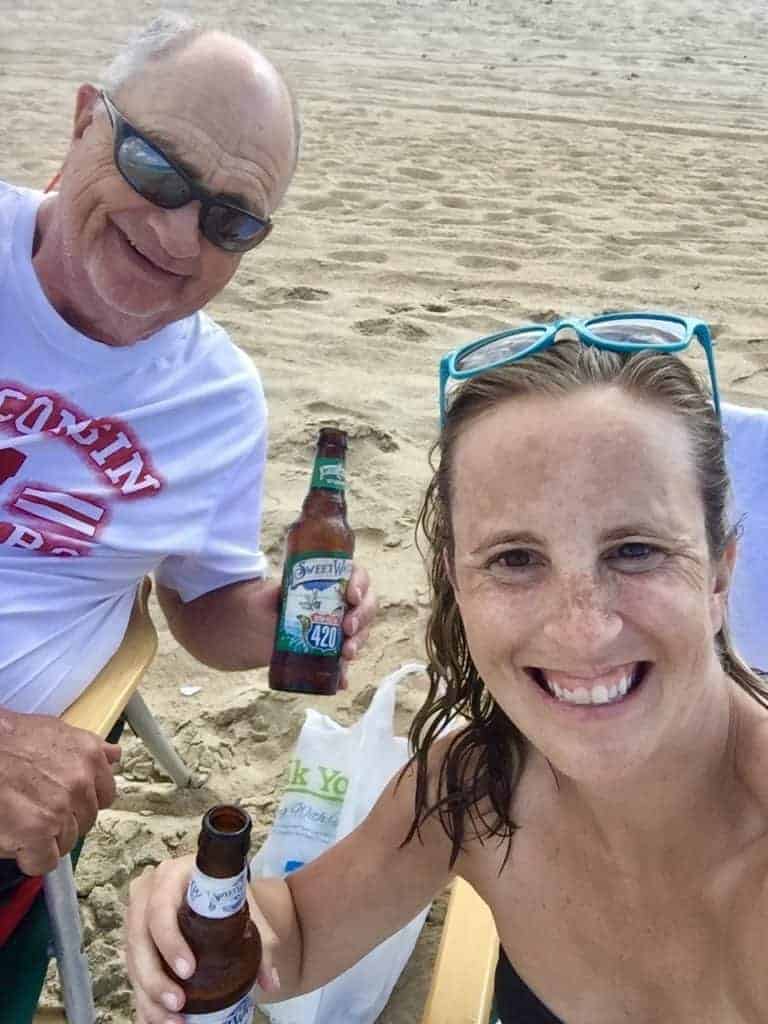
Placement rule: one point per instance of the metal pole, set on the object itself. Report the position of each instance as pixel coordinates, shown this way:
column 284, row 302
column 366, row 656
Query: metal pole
column 64, row 915
column 141, row 720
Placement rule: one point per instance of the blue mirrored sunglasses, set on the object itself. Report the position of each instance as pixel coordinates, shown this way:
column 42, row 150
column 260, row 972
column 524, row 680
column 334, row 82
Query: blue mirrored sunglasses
column 156, row 178
column 617, row 332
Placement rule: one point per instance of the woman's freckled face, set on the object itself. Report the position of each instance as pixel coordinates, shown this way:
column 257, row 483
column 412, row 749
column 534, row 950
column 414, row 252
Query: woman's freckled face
column 580, row 552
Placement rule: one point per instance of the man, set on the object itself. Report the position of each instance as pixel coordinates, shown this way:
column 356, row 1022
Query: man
column 132, row 431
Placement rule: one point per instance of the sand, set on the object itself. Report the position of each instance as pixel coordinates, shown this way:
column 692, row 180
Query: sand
column 467, row 164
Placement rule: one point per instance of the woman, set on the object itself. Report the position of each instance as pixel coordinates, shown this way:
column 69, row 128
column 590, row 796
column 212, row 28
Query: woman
column 608, row 797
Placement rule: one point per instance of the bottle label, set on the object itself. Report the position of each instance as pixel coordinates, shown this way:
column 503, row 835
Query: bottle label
column 329, row 474
column 216, row 897
column 314, row 584
column 240, row 1013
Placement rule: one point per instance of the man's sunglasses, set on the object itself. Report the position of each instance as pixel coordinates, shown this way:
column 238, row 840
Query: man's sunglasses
column 159, row 180
column 618, row 332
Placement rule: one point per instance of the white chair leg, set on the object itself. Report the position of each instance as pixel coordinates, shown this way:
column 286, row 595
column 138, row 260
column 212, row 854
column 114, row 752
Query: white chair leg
column 141, row 720
column 64, row 915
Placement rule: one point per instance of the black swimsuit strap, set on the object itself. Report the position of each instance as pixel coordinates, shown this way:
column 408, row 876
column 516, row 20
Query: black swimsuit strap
column 515, row 1002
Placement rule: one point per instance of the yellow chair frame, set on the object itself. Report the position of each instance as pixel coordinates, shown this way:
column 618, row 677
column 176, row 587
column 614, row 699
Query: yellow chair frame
column 112, row 693
column 461, row 990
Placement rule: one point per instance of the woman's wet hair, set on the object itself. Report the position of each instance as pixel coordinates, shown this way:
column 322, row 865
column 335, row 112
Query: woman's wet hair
column 473, row 789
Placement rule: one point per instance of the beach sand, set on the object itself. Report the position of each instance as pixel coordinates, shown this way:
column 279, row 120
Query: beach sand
column 467, row 164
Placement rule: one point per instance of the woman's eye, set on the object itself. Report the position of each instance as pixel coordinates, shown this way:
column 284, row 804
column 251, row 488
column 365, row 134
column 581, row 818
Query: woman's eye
column 636, row 555
column 518, row 558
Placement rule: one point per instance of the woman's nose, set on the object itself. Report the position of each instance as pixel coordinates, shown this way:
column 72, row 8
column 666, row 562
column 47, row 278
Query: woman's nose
column 583, row 616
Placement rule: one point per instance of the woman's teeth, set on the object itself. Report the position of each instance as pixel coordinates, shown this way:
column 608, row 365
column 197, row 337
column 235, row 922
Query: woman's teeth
column 600, row 693
column 597, row 695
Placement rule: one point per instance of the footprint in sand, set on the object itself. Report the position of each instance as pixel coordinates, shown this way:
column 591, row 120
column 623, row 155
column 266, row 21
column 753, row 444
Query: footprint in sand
column 379, row 325
column 412, row 332
column 420, row 173
column 617, row 274
column 304, row 294
column 486, row 263
column 358, row 256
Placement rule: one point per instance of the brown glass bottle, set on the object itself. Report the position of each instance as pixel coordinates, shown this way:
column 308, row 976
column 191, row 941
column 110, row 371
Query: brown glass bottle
column 216, row 923
column 318, row 561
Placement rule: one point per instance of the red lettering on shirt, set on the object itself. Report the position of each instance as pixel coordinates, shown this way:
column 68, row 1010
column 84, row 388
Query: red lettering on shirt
column 14, row 535
column 11, row 461
column 109, row 446
column 73, row 515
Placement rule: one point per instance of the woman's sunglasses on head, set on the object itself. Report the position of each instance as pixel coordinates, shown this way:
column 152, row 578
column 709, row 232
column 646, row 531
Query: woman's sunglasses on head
column 162, row 182
column 617, row 332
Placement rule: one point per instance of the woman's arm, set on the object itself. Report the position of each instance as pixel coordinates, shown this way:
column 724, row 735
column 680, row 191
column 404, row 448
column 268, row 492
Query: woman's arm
column 314, row 924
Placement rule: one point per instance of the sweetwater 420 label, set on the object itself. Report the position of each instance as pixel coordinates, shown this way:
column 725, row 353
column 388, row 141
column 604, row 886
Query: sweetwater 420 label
column 216, row 897
column 240, row 1013
column 314, row 585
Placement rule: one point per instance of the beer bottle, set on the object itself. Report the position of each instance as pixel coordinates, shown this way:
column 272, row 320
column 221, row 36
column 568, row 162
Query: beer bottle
column 217, row 925
column 318, row 563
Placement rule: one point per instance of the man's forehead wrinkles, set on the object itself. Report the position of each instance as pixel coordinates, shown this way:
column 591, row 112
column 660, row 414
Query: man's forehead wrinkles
column 191, row 134
column 252, row 176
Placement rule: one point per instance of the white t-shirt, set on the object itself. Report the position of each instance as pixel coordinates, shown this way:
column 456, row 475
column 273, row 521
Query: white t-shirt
column 747, row 455
column 114, row 463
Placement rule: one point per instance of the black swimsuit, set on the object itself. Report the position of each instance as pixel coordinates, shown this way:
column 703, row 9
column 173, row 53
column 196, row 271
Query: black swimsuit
column 515, row 1003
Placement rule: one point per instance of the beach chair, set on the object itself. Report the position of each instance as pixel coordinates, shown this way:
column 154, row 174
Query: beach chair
column 461, row 989
column 113, row 693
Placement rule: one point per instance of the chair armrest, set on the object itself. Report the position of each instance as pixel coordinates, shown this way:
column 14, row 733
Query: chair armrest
column 98, row 708
column 461, row 991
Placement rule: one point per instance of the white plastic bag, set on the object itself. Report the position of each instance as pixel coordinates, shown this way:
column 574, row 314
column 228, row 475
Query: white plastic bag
column 336, row 776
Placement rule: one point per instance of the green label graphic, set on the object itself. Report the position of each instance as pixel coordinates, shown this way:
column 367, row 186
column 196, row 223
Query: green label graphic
column 314, row 584
column 329, row 474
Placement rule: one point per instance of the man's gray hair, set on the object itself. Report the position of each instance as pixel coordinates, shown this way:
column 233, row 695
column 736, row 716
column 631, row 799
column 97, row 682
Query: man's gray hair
column 165, row 35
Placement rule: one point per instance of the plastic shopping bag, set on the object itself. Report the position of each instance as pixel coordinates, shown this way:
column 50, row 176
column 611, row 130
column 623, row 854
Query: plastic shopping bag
column 336, row 776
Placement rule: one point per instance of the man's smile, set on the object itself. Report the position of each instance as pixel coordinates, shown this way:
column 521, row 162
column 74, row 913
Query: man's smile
column 148, row 261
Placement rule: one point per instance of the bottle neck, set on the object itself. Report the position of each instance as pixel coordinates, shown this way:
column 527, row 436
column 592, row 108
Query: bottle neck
column 222, row 856
column 216, row 898
column 329, row 471
column 321, row 502
column 326, row 488
column 218, row 884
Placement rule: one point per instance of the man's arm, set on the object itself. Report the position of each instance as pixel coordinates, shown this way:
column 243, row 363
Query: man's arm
column 234, row 627
column 230, row 628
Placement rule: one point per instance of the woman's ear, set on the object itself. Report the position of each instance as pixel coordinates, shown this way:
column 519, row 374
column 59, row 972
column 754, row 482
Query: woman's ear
column 722, row 584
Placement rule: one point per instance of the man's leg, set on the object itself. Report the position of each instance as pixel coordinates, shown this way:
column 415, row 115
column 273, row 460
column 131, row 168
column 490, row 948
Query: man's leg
column 24, row 963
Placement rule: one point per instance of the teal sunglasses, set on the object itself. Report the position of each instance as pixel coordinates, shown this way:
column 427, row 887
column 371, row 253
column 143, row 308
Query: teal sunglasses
column 617, row 332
